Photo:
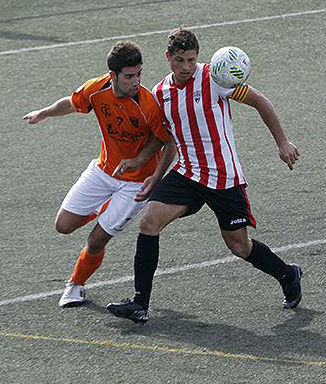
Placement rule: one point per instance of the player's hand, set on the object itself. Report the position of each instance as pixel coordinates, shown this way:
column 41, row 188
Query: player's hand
column 127, row 165
column 289, row 153
column 34, row 117
column 146, row 188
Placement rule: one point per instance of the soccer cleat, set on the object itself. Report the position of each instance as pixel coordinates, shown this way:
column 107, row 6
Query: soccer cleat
column 292, row 289
column 129, row 309
column 73, row 295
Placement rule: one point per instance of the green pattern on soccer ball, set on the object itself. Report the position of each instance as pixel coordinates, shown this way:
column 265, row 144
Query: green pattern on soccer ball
column 218, row 66
column 236, row 72
column 233, row 54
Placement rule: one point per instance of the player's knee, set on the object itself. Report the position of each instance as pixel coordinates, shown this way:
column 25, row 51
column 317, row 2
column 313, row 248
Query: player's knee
column 62, row 227
column 97, row 241
column 94, row 246
column 149, row 225
column 239, row 249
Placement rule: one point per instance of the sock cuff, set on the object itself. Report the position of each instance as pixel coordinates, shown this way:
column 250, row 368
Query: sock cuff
column 252, row 253
column 91, row 258
column 143, row 236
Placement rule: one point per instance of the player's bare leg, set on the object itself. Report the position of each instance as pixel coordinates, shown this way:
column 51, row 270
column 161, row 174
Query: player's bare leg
column 67, row 222
column 238, row 242
column 156, row 216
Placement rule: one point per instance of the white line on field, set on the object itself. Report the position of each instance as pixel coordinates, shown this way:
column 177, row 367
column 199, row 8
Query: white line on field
column 158, row 32
column 159, row 272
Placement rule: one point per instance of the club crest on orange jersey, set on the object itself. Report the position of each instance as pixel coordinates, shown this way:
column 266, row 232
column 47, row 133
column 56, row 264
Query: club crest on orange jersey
column 105, row 109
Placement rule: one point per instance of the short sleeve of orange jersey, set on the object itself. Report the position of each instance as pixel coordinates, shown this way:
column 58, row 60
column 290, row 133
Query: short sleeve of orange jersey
column 81, row 97
column 156, row 119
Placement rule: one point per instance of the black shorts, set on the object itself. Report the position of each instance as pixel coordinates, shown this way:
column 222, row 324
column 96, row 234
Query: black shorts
column 231, row 206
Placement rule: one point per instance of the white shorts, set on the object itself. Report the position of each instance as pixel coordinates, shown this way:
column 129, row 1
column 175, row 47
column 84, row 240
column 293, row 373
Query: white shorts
column 94, row 188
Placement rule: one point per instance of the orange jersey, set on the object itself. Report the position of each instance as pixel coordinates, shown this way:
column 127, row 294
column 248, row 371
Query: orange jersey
column 125, row 123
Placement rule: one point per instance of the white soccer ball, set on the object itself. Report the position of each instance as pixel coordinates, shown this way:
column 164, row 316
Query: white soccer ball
column 230, row 67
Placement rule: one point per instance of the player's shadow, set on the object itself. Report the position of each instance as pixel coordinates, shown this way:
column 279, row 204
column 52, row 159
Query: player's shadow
column 95, row 307
column 290, row 336
column 286, row 338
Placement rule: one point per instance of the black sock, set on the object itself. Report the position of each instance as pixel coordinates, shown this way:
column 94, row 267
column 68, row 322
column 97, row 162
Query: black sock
column 145, row 264
column 262, row 258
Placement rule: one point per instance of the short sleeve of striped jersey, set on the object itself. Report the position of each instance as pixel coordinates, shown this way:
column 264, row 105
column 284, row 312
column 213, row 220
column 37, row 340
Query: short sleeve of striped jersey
column 222, row 92
column 240, row 93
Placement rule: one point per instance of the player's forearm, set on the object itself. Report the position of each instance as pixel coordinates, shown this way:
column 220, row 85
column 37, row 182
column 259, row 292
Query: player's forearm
column 61, row 107
column 168, row 155
column 270, row 118
column 152, row 146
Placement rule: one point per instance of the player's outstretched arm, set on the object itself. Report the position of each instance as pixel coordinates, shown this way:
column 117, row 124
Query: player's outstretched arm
column 61, row 107
column 288, row 152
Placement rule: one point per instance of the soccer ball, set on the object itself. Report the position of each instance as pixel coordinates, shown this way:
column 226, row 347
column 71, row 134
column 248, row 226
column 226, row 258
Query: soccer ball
column 230, row 67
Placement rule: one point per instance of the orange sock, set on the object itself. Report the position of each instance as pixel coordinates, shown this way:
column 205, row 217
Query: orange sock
column 85, row 266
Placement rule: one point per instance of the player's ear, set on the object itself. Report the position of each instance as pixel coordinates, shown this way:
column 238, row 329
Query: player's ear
column 168, row 55
column 112, row 75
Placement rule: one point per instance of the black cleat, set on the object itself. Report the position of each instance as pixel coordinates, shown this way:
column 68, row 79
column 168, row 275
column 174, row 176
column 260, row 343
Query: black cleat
column 292, row 289
column 129, row 309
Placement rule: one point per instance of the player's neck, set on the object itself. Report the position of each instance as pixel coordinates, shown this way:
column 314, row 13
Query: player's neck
column 176, row 80
column 117, row 91
column 180, row 82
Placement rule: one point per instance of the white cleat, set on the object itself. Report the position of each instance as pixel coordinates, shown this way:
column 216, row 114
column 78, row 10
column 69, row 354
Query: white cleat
column 73, row 295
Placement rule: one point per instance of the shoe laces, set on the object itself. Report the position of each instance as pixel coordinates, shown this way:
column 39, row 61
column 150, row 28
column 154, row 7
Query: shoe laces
column 126, row 301
column 72, row 287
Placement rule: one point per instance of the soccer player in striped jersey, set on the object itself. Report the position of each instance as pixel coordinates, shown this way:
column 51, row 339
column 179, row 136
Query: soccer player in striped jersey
column 208, row 171
column 132, row 126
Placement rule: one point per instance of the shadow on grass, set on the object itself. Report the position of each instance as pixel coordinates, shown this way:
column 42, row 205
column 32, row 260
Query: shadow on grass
column 96, row 307
column 26, row 36
column 292, row 337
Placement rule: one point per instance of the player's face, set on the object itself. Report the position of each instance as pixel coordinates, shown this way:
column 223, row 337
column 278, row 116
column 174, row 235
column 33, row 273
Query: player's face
column 183, row 64
column 127, row 82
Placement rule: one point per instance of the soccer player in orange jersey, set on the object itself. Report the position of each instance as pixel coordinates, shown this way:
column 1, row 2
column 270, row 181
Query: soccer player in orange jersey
column 132, row 127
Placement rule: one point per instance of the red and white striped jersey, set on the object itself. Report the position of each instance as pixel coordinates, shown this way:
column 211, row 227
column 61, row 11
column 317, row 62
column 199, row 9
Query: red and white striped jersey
column 200, row 121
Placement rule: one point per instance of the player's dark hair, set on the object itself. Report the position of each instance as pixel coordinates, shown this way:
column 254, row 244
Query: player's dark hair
column 182, row 39
column 124, row 54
